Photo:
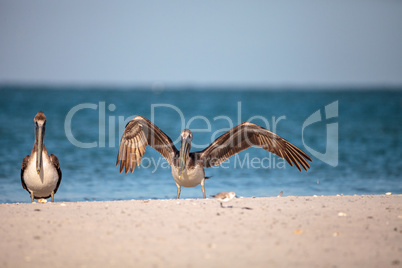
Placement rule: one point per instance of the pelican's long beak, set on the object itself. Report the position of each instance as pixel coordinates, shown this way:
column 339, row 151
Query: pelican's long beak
column 39, row 137
column 184, row 152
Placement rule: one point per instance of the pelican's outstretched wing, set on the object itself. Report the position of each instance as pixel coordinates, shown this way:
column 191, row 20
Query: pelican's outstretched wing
column 139, row 133
column 246, row 135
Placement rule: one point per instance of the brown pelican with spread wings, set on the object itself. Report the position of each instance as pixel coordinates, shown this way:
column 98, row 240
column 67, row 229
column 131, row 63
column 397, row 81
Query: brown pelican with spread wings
column 188, row 168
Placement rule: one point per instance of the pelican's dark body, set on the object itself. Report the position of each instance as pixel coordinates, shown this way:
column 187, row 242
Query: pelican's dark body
column 188, row 168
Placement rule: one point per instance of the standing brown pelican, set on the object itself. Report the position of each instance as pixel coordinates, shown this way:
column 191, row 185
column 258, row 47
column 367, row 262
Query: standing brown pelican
column 188, row 168
column 40, row 173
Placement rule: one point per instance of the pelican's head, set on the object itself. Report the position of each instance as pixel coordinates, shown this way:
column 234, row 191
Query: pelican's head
column 186, row 138
column 40, row 122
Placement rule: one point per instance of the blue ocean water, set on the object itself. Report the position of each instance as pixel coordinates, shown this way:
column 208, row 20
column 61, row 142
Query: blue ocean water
column 353, row 137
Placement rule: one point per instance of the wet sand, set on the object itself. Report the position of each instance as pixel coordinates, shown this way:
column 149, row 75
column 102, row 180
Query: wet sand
column 328, row 231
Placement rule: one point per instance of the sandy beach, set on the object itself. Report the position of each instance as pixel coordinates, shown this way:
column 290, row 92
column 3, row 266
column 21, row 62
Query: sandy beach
column 326, row 231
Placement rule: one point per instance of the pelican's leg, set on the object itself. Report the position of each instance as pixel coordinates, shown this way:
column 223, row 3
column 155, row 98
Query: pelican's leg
column 203, row 187
column 178, row 191
column 32, row 197
column 52, row 195
column 222, row 205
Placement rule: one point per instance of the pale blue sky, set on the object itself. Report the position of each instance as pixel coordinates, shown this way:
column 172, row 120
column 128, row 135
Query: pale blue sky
column 273, row 43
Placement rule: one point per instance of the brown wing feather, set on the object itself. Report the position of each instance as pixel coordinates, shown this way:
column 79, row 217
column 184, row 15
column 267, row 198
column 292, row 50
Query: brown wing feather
column 247, row 135
column 139, row 133
column 56, row 164
column 23, row 167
